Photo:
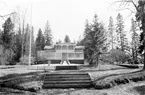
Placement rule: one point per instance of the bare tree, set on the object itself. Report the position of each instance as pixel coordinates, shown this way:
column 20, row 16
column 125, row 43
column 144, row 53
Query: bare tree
column 139, row 11
column 20, row 23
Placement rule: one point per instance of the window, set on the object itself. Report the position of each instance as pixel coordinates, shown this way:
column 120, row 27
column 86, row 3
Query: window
column 71, row 55
column 58, row 55
column 64, row 47
column 78, row 55
column 70, row 47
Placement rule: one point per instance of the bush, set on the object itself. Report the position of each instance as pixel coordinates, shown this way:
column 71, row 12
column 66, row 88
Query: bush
column 25, row 60
column 6, row 56
column 115, row 55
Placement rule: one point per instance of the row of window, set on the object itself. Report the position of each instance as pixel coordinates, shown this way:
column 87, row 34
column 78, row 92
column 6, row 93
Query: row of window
column 60, row 55
column 64, row 47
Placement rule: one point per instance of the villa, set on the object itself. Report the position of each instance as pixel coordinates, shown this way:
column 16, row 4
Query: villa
column 62, row 53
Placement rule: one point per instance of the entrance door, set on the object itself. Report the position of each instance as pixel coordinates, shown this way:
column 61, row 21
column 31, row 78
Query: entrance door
column 64, row 56
column 64, row 60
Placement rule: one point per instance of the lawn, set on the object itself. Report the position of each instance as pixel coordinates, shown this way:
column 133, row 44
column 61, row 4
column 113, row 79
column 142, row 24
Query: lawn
column 23, row 80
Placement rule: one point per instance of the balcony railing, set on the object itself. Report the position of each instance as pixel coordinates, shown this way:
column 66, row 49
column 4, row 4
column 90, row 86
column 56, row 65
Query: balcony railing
column 59, row 55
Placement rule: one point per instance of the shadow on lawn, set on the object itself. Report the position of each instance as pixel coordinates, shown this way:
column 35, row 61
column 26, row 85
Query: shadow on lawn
column 14, row 81
column 135, row 72
column 91, row 70
column 140, row 89
column 104, row 69
column 14, row 75
column 109, row 81
column 10, row 91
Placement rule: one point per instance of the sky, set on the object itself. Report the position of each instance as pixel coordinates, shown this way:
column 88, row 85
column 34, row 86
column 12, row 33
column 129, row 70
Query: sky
column 66, row 17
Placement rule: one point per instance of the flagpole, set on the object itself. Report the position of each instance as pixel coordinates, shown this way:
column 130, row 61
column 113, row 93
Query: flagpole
column 30, row 38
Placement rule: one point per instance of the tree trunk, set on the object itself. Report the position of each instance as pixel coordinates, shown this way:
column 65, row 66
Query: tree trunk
column 112, row 42
column 97, row 62
column 144, row 51
column 144, row 61
column 133, row 57
column 143, row 25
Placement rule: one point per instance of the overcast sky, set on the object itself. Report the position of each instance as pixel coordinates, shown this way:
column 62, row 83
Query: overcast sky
column 64, row 16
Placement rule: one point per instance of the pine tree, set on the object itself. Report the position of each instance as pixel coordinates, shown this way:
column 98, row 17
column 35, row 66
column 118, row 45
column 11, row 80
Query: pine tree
column 135, row 40
column 111, row 37
column 121, row 36
column 67, row 39
column 7, row 33
column 7, row 38
column 26, row 40
column 47, row 34
column 140, row 16
column 0, row 37
column 17, row 46
column 95, row 42
column 87, row 28
column 40, row 41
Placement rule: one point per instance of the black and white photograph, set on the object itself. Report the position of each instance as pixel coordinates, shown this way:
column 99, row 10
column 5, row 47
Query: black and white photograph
column 72, row 47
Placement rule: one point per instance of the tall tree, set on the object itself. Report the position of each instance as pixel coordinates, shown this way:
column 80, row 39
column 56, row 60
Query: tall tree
column 26, row 40
column 7, row 38
column 95, row 40
column 135, row 40
column 111, row 38
column 40, row 42
column 0, row 37
column 121, row 35
column 7, row 33
column 20, row 21
column 87, row 28
column 141, row 18
column 17, row 46
column 47, row 34
column 81, row 41
column 67, row 39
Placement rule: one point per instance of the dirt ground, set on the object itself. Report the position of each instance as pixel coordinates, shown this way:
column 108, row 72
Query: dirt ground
column 102, row 70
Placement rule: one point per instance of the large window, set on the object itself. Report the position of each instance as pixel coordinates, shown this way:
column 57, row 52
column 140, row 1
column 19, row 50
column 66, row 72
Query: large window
column 70, row 47
column 58, row 47
column 78, row 50
column 49, row 55
column 58, row 55
column 71, row 55
column 78, row 55
column 64, row 47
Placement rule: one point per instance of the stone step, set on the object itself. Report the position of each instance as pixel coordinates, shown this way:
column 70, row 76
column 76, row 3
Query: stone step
column 74, row 85
column 66, row 78
column 67, row 82
column 67, row 73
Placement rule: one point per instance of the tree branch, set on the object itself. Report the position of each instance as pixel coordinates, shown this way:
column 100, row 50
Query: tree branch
column 125, row 2
column 126, row 9
column 7, row 14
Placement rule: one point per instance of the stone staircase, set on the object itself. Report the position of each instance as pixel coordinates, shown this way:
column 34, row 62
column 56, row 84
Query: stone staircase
column 67, row 80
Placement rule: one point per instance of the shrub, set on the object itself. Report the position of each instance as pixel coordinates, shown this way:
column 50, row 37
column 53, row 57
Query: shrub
column 115, row 55
column 25, row 60
column 6, row 56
